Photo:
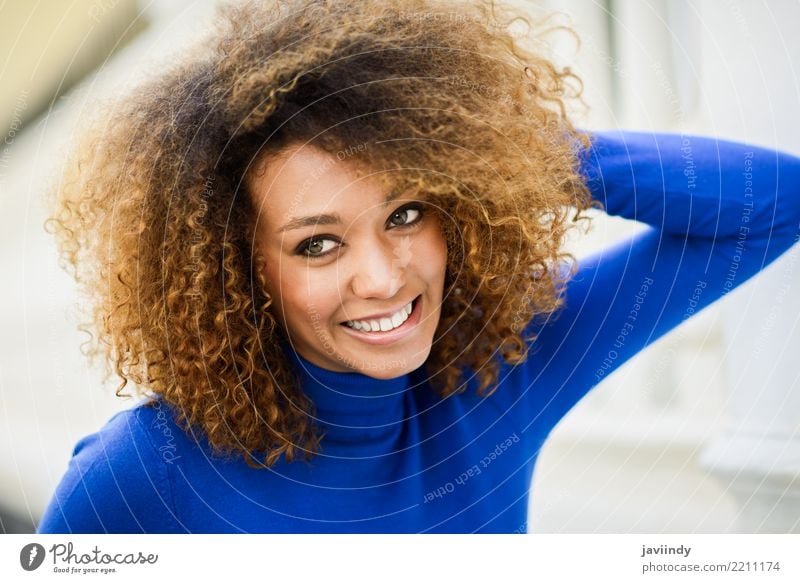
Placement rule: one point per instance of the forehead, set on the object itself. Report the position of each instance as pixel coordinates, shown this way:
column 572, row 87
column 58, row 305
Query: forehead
column 305, row 179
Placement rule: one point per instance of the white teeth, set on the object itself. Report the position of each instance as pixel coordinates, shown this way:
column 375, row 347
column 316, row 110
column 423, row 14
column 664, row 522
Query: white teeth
column 384, row 324
column 399, row 318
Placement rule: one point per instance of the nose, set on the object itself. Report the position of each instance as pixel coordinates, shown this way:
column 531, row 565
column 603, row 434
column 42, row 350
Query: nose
column 379, row 270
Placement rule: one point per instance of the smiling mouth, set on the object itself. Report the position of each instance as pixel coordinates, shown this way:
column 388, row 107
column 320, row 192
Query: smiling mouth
column 379, row 326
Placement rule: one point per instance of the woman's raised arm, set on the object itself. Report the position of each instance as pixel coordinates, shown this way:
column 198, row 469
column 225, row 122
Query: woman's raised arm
column 718, row 212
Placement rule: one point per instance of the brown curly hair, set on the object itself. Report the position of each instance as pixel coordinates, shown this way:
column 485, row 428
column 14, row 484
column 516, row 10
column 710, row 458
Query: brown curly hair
column 153, row 219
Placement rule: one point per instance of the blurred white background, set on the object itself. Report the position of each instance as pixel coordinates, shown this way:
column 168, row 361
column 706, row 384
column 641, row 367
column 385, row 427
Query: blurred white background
column 699, row 433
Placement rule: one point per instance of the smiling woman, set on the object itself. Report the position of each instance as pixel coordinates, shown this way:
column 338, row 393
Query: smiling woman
column 324, row 249
column 359, row 282
column 321, row 108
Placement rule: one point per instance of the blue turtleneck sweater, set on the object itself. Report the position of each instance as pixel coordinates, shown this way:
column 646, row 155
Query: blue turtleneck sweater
column 397, row 458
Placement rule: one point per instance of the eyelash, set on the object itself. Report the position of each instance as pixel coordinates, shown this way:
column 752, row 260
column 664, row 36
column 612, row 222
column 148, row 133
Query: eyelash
column 301, row 249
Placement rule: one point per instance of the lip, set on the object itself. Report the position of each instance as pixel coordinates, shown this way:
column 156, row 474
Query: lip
column 381, row 338
column 384, row 314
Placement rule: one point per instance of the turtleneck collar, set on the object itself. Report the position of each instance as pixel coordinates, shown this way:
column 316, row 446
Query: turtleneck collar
column 355, row 410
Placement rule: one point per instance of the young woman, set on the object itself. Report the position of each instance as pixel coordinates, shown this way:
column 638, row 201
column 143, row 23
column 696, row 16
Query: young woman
column 329, row 254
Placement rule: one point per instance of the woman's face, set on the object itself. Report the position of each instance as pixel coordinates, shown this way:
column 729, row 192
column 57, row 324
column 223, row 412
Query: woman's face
column 345, row 263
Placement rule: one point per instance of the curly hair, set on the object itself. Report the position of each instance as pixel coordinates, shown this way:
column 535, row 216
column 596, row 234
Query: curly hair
column 154, row 222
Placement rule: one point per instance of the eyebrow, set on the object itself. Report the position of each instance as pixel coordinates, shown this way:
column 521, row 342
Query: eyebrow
column 331, row 219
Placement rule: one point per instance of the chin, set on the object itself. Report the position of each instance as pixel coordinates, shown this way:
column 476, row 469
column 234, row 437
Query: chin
column 385, row 375
column 390, row 367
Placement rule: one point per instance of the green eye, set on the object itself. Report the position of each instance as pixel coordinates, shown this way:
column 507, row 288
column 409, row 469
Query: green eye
column 316, row 247
column 322, row 245
column 405, row 216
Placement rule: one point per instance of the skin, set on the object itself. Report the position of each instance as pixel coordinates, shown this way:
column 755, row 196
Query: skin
column 380, row 257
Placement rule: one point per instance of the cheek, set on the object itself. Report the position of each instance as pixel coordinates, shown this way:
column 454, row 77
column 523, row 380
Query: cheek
column 430, row 262
column 286, row 287
column 307, row 295
column 271, row 280
column 290, row 304
column 436, row 261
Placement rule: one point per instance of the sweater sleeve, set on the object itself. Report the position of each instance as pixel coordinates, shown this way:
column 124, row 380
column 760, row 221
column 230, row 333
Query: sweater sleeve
column 717, row 213
column 116, row 482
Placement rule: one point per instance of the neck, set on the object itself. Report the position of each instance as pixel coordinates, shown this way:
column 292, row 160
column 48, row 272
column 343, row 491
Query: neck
column 353, row 410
